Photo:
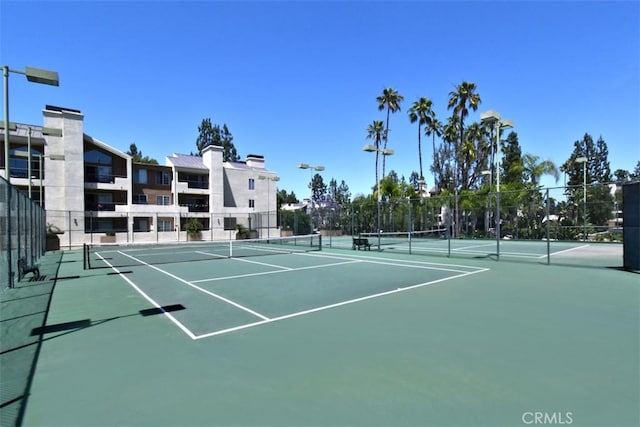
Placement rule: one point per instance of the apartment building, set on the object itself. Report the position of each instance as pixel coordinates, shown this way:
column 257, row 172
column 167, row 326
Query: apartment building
column 93, row 192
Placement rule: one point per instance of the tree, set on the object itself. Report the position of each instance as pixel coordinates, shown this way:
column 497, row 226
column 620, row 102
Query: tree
column 463, row 98
column 318, row 188
column 209, row 134
column 283, row 198
column 137, row 156
column 595, row 170
column 419, row 112
column 434, row 128
column 597, row 165
column 374, row 133
column 390, row 99
column 343, row 195
column 534, row 169
column 513, row 167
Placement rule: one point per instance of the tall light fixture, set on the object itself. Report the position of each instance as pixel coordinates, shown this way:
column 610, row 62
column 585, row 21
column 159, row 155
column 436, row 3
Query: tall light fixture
column 385, row 152
column 493, row 118
column 311, row 169
column 488, row 216
column 269, row 180
column 584, row 194
column 35, row 75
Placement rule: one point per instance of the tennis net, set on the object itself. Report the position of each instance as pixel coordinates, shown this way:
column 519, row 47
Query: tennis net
column 399, row 238
column 130, row 254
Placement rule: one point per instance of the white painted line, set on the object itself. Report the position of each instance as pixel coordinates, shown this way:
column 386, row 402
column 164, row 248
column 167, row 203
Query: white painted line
column 339, row 304
column 567, row 250
column 464, row 248
column 261, row 263
column 263, row 273
column 366, row 258
column 221, row 298
column 148, row 298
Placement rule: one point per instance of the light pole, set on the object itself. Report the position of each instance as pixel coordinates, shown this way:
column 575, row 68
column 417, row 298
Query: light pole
column 385, row 152
column 269, row 180
column 584, row 160
column 35, row 75
column 492, row 117
column 311, row 169
column 489, row 173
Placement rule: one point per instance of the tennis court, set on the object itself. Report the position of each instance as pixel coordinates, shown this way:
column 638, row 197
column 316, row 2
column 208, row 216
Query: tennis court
column 320, row 337
column 587, row 254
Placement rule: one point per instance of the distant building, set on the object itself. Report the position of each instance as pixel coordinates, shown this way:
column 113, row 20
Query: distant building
column 90, row 189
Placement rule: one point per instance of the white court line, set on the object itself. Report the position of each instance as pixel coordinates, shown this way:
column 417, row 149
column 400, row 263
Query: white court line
column 566, row 250
column 339, row 304
column 264, row 273
column 249, row 261
column 148, row 298
column 464, row 248
column 405, row 263
column 228, row 301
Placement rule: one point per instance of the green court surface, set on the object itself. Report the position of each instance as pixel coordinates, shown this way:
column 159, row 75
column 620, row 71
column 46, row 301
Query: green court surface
column 330, row 338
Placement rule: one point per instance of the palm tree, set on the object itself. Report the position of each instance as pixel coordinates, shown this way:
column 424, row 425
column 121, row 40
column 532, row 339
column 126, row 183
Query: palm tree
column 420, row 112
column 434, row 128
column 375, row 132
column 463, row 97
column 535, row 168
column 390, row 99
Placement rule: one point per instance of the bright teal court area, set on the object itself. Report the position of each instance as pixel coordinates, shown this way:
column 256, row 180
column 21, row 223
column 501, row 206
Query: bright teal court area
column 331, row 337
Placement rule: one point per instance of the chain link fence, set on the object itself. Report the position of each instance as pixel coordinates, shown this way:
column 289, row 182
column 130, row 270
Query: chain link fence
column 579, row 225
column 23, row 231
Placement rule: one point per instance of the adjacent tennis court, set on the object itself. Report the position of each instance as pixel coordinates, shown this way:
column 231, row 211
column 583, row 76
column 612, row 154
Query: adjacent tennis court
column 436, row 242
column 305, row 334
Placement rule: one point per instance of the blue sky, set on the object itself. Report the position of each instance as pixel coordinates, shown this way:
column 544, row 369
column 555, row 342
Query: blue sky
column 297, row 81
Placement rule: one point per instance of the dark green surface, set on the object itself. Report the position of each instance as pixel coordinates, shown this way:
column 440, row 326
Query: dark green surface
column 23, row 309
column 476, row 350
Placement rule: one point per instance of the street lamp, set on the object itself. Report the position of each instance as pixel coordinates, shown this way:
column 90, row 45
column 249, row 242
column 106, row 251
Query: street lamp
column 311, row 169
column 488, row 216
column 584, row 194
column 274, row 179
column 493, row 118
column 35, row 75
column 385, row 152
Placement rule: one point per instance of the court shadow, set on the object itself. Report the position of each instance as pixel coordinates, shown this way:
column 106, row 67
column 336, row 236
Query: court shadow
column 77, row 325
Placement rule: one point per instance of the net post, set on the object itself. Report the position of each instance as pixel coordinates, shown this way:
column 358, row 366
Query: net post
column 319, row 241
column 84, row 256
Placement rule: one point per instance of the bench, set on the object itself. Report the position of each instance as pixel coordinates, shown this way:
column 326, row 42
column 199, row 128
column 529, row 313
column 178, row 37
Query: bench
column 26, row 268
column 359, row 242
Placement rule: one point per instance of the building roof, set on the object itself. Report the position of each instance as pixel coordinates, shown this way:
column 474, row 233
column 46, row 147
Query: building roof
column 186, row 161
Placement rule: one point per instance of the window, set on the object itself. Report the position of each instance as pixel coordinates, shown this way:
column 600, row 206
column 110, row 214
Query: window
column 165, row 224
column 140, row 224
column 140, row 199
column 163, row 178
column 229, row 223
column 163, row 200
column 252, row 203
column 140, row 176
column 252, row 184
